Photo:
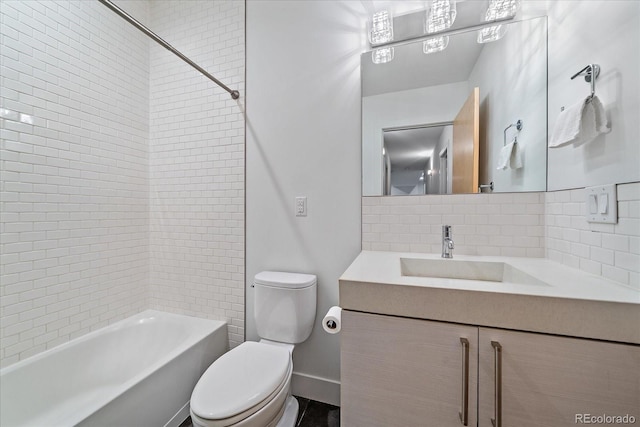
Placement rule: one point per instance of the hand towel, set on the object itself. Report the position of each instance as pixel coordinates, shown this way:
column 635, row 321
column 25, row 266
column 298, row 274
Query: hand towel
column 588, row 129
column 567, row 127
column 505, row 156
column 580, row 123
column 602, row 125
column 515, row 162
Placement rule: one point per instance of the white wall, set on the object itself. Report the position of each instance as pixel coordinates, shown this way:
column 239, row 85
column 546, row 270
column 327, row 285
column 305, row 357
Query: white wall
column 516, row 92
column 605, row 33
column 303, row 139
column 197, row 163
column 75, row 209
column 404, row 108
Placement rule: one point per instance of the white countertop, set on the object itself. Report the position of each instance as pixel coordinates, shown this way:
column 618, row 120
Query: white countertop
column 572, row 302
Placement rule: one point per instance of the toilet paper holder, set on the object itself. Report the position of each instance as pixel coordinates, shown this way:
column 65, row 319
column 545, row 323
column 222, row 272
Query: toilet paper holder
column 332, row 321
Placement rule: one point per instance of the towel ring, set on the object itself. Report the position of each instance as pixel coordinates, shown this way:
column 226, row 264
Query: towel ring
column 589, row 72
column 518, row 126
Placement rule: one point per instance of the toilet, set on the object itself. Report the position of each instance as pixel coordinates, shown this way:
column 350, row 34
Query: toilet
column 249, row 386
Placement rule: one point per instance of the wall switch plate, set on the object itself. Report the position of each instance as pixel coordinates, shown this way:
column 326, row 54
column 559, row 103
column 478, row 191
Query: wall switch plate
column 301, row 206
column 602, row 204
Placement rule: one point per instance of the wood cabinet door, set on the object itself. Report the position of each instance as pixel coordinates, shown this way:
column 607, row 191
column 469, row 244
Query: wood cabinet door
column 550, row 381
column 405, row 372
column 466, row 145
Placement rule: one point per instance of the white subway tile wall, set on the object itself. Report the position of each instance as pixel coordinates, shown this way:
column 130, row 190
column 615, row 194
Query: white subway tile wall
column 74, row 159
column 609, row 250
column 197, row 163
column 483, row 224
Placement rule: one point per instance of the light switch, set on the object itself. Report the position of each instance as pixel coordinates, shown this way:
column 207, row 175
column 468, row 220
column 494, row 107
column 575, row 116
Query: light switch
column 301, row 206
column 602, row 204
column 592, row 203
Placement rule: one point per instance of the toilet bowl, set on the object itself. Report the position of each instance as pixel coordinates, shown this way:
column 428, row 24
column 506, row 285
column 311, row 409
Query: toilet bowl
column 249, row 386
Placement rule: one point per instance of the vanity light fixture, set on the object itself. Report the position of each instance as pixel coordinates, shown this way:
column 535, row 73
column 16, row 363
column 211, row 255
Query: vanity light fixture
column 380, row 32
column 440, row 16
column 501, row 9
column 382, row 55
column 491, row 34
column 381, row 28
column 497, row 10
column 435, row 44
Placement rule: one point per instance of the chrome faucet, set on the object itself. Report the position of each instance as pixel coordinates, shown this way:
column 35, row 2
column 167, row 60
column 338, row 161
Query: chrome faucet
column 447, row 242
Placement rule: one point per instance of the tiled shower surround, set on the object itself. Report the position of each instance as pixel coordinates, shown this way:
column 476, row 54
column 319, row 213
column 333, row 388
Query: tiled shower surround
column 122, row 168
column 197, row 163
column 548, row 225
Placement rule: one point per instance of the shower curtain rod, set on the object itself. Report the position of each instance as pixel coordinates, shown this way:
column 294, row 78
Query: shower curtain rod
column 234, row 93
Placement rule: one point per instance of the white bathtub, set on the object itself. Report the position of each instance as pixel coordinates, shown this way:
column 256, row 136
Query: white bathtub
column 137, row 372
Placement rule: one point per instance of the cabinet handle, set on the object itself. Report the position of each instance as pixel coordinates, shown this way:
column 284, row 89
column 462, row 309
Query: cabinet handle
column 464, row 415
column 497, row 408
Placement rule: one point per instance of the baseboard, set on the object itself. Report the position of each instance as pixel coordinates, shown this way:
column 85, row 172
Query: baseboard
column 316, row 388
column 179, row 417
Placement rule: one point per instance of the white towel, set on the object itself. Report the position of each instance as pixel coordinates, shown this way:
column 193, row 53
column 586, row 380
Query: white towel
column 602, row 125
column 505, row 156
column 510, row 156
column 516, row 156
column 579, row 123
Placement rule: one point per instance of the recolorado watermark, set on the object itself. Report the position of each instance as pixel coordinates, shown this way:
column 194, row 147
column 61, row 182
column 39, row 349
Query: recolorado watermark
column 604, row 419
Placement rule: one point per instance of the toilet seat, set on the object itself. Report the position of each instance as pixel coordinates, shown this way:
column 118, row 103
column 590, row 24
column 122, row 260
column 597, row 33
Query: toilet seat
column 248, row 383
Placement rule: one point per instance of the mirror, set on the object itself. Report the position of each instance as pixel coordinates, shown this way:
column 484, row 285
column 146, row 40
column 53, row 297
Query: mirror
column 411, row 156
column 439, row 123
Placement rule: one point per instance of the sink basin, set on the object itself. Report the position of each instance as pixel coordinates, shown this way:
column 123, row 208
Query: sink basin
column 467, row 270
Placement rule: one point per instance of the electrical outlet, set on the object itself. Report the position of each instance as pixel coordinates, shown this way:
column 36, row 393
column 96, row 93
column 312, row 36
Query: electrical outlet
column 301, row 206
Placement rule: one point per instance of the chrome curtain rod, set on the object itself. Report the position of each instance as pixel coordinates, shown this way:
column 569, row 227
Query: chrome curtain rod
column 234, row 93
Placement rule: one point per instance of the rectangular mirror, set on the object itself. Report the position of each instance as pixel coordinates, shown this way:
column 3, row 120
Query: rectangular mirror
column 446, row 122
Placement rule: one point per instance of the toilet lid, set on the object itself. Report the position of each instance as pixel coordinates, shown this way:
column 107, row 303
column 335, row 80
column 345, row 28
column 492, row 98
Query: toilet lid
column 239, row 380
column 284, row 280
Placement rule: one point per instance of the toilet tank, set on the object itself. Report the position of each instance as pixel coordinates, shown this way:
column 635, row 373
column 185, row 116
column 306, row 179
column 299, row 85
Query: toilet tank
column 284, row 305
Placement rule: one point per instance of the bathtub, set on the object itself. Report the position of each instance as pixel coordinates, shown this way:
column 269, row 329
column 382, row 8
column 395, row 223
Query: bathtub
column 137, row 372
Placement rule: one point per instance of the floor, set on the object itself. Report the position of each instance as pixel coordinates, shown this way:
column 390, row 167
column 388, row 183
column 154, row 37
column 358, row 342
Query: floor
column 310, row 414
column 317, row 414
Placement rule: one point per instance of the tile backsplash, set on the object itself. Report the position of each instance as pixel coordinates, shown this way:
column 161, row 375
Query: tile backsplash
column 609, row 250
column 551, row 225
column 483, row 224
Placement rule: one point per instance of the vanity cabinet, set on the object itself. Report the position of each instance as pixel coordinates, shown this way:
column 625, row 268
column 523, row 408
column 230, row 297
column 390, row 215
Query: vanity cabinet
column 552, row 381
column 409, row 372
column 406, row 372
